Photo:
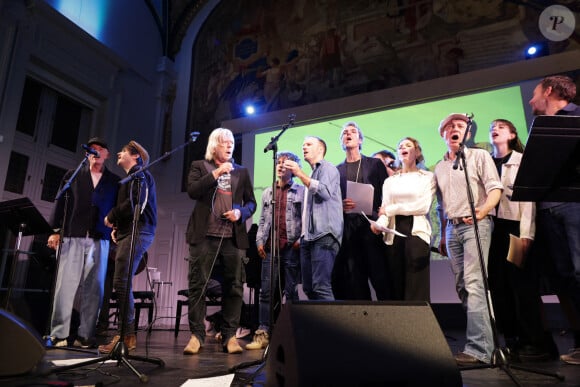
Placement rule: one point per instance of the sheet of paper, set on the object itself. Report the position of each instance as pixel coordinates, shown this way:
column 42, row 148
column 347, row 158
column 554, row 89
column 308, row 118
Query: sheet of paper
column 516, row 251
column 217, row 381
column 67, row 362
column 362, row 195
column 383, row 229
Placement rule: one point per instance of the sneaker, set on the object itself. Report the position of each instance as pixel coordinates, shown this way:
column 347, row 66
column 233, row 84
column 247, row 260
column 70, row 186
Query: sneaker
column 232, row 346
column 464, row 359
column 192, row 346
column 81, row 342
column 573, row 357
column 130, row 343
column 260, row 341
column 60, row 343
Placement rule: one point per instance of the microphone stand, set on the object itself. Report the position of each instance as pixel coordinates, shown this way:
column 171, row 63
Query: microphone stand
column 274, row 248
column 498, row 357
column 120, row 351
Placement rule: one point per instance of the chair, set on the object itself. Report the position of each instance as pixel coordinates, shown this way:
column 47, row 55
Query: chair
column 213, row 297
column 143, row 300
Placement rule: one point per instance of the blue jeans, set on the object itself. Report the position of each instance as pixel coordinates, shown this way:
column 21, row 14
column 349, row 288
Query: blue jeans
column 122, row 288
column 202, row 257
column 290, row 263
column 561, row 224
column 82, row 267
column 317, row 260
column 463, row 253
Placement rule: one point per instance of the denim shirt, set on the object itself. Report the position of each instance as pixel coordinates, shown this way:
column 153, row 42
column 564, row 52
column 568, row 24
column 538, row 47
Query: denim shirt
column 323, row 212
column 294, row 200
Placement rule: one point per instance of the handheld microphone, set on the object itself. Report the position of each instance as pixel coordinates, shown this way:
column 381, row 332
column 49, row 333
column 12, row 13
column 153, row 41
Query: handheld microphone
column 193, row 136
column 90, row 150
column 230, row 161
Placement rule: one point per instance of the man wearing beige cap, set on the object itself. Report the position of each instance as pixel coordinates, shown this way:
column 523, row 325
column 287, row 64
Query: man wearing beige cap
column 138, row 191
column 458, row 238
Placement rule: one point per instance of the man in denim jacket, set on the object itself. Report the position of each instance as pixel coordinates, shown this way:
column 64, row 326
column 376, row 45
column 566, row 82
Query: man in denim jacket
column 322, row 220
column 287, row 228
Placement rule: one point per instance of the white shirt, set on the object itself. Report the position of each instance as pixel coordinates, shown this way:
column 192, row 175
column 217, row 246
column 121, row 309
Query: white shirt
column 408, row 194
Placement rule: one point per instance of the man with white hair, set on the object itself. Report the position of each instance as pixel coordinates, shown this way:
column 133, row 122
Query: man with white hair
column 224, row 197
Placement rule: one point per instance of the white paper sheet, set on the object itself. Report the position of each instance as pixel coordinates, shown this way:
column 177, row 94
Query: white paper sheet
column 382, row 228
column 362, row 195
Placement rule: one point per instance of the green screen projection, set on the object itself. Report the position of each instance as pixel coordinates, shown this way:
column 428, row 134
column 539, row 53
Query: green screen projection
column 384, row 129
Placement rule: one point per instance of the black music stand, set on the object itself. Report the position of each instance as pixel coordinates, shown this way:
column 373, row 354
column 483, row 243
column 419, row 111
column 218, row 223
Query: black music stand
column 550, row 168
column 23, row 219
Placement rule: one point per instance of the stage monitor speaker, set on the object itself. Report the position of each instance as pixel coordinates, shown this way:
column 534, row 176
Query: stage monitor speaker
column 359, row 344
column 22, row 347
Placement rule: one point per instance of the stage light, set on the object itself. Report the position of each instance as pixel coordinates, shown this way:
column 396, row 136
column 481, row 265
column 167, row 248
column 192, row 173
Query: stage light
column 250, row 110
column 537, row 50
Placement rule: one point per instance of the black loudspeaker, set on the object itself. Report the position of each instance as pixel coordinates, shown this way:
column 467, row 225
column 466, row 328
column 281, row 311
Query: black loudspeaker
column 22, row 347
column 359, row 344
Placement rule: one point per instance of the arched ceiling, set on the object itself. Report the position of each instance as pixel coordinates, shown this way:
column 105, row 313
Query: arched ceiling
column 173, row 18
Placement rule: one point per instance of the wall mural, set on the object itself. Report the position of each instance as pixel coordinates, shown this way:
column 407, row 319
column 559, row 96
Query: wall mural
column 281, row 54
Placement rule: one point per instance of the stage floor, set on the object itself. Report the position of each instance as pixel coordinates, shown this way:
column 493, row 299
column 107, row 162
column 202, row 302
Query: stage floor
column 247, row 369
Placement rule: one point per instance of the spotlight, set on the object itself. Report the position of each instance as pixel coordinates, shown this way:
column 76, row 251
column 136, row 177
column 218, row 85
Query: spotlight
column 537, row 50
column 250, row 109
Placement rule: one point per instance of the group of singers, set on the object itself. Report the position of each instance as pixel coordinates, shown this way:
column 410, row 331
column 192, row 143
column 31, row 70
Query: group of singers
column 327, row 242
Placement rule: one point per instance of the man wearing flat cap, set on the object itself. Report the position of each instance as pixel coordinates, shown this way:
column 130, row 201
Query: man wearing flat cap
column 458, row 239
column 139, row 191
column 85, row 245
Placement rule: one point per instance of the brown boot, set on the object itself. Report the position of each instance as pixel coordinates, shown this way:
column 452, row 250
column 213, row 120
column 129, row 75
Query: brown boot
column 193, row 346
column 233, row 346
column 130, row 343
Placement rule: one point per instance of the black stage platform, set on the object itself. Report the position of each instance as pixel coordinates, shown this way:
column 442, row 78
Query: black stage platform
column 212, row 362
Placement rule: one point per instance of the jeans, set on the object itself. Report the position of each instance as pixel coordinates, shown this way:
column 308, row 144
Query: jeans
column 82, row 267
column 290, row 279
column 317, row 260
column 561, row 224
column 202, row 258
column 462, row 250
column 123, row 288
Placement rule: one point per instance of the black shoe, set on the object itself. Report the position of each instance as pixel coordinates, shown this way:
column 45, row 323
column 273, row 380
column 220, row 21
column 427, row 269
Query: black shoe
column 85, row 343
column 531, row 353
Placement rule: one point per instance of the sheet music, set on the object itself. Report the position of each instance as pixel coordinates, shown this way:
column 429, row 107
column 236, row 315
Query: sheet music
column 362, row 195
column 383, row 229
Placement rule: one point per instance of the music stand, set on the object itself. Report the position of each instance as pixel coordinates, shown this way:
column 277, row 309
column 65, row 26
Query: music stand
column 550, row 167
column 23, row 219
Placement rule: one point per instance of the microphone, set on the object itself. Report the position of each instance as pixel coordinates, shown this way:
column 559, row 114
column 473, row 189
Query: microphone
column 90, row 150
column 193, row 136
column 230, row 161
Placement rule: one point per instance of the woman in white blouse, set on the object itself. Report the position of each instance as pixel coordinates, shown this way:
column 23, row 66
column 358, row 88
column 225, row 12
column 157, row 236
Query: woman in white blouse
column 513, row 285
column 407, row 198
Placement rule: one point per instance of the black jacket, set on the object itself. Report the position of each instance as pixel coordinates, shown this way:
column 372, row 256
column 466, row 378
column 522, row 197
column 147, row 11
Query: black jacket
column 122, row 214
column 201, row 186
column 87, row 205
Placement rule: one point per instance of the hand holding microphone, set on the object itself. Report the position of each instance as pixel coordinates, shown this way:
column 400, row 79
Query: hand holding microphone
column 223, row 169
